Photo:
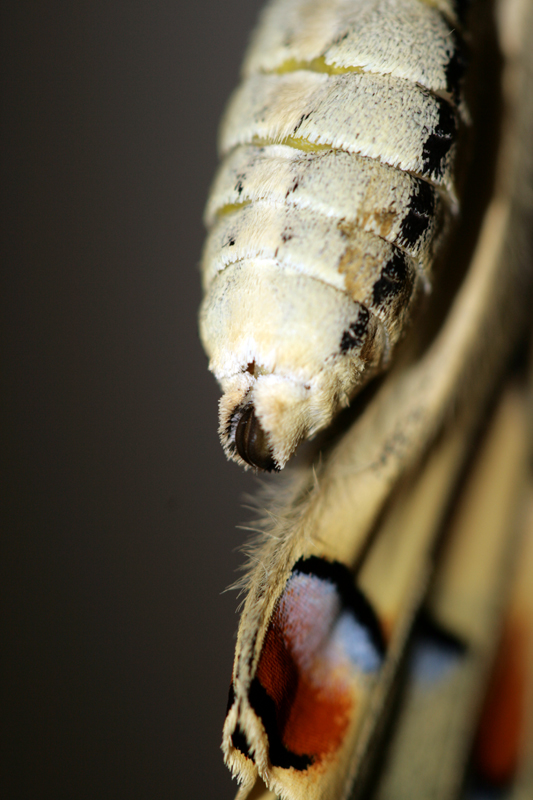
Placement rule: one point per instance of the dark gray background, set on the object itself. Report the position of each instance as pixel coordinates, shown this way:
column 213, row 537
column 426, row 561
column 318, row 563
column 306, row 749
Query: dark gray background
column 119, row 507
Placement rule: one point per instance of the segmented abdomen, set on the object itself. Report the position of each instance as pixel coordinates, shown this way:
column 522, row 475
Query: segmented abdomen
column 339, row 151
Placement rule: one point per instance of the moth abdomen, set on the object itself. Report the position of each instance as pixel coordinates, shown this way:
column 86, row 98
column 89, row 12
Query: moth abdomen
column 339, row 168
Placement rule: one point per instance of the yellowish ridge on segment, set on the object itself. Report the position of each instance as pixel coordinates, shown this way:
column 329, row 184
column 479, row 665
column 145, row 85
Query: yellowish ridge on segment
column 315, row 65
column 230, row 208
column 292, row 141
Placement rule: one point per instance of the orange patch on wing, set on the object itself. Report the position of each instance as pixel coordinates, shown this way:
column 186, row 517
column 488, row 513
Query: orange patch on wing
column 312, row 716
column 498, row 743
column 318, row 720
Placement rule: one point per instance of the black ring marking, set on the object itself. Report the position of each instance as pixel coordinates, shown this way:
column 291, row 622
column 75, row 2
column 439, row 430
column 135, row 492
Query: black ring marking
column 420, row 212
column 440, row 140
column 456, row 66
column 392, row 281
column 355, row 335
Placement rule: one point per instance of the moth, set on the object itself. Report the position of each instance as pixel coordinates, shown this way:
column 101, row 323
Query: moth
column 329, row 208
column 348, row 548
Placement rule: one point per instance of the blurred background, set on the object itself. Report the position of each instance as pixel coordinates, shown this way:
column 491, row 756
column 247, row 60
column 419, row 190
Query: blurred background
column 119, row 510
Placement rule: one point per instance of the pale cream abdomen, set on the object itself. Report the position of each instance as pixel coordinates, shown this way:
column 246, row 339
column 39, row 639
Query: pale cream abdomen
column 335, row 189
